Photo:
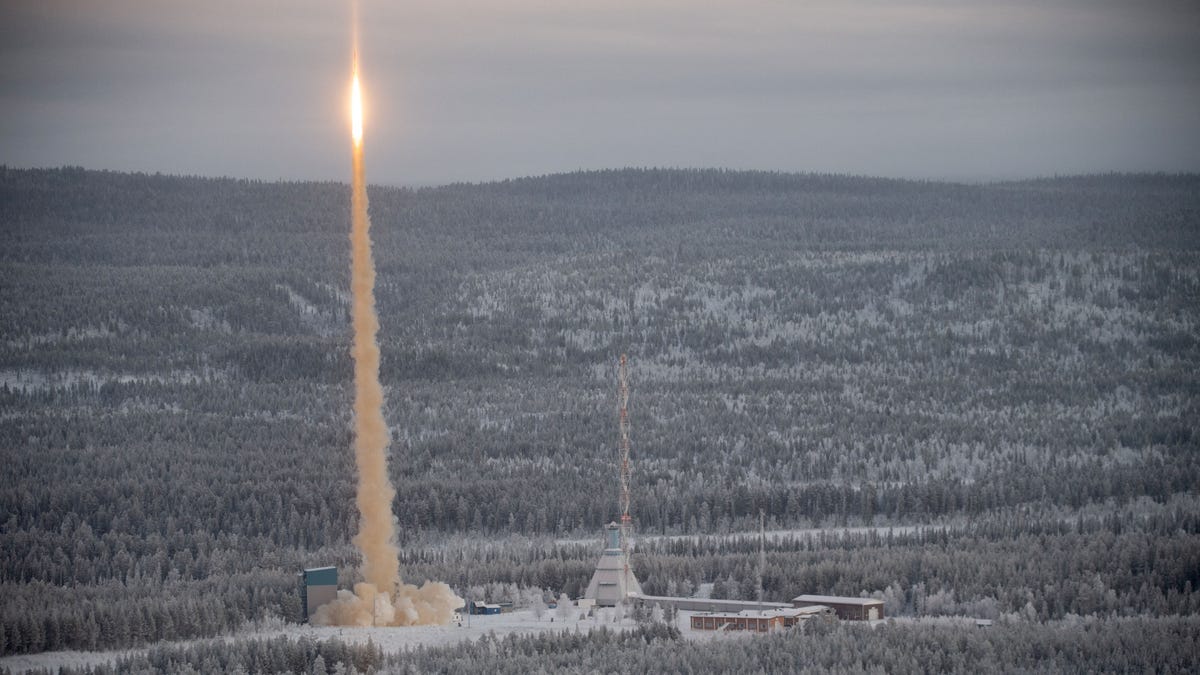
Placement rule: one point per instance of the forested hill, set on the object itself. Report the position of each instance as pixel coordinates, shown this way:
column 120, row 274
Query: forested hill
column 1019, row 360
column 225, row 250
column 761, row 209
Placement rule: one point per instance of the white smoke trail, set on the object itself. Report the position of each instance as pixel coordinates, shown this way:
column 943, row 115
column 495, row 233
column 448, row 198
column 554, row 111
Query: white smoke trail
column 381, row 599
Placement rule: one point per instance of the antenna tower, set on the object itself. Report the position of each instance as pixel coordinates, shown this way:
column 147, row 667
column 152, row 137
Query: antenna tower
column 623, row 418
column 762, row 554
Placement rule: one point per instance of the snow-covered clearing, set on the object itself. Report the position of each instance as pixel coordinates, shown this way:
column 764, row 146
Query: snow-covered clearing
column 52, row 661
column 774, row 535
column 397, row 640
column 390, row 640
column 31, row 381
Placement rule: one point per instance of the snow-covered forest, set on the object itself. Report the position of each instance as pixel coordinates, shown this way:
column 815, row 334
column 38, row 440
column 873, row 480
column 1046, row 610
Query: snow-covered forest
column 985, row 399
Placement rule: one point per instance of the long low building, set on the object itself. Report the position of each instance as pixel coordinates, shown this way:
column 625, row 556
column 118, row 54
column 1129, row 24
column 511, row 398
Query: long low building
column 759, row 621
column 850, row 609
column 706, row 604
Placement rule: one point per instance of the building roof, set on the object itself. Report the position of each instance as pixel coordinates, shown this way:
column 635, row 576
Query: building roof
column 792, row 611
column 835, row 600
column 812, row 609
column 769, row 613
column 320, row 576
column 709, row 604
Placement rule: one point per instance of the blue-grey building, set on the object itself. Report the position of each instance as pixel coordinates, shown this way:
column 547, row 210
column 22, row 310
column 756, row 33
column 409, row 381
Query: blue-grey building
column 319, row 587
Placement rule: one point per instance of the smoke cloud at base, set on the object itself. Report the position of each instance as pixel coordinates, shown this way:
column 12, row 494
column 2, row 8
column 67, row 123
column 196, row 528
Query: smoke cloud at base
column 431, row 604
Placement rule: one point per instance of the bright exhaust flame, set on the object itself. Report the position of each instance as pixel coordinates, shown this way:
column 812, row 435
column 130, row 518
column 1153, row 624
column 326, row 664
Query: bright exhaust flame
column 356, row 109
column 381, row 599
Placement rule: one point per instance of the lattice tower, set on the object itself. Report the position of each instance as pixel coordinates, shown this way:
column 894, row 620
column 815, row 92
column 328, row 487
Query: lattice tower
column 623, row 419
column 762, row 554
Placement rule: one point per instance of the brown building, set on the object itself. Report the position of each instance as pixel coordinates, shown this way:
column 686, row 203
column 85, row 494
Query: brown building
column 849, row 609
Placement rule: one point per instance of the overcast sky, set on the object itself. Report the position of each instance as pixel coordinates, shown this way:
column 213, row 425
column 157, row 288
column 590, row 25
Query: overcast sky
column 476, row 90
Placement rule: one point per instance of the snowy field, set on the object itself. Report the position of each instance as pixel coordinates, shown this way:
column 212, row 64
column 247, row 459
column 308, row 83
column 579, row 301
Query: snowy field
column 390, row 640
column 775, row 535
column 51, row 660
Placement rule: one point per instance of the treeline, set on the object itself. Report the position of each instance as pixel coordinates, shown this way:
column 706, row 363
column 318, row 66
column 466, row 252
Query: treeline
column 1141, row 560
column 274, row 656
column 1094, row 646
column 1040, row 569
column 41, row 616
column 73, row 215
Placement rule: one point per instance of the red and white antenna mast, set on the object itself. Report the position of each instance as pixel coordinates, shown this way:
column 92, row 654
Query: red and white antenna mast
column 623, row 417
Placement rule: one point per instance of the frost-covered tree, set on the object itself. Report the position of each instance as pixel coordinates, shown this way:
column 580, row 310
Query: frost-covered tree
column 566, row 609
column 537, row 603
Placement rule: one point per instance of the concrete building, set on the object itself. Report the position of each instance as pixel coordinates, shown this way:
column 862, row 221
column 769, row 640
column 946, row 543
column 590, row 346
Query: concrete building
column 319, row 586
column 849, row 609
column 759, row 621
column 613, row 581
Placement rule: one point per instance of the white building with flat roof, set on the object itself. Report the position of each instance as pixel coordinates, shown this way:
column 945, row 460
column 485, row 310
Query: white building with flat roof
column 850, row 609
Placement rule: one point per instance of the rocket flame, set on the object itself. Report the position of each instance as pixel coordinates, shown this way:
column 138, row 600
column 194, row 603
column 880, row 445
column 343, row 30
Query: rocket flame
column 356, row 124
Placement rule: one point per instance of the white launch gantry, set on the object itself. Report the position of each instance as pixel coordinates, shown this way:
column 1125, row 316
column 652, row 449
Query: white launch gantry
column 613, row 580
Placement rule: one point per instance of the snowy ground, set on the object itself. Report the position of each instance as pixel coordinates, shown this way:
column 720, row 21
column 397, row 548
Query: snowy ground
column 394, row 640
column 472, row 628
column 53, row 660
column 391, row 640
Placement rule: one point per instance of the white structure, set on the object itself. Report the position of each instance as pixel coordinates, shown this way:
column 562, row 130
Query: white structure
column 613, row 582
column 760, row 620
column 850, row 609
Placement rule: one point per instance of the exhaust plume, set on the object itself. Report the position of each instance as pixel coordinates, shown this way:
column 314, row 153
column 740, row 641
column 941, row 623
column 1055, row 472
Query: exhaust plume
column 381, row 599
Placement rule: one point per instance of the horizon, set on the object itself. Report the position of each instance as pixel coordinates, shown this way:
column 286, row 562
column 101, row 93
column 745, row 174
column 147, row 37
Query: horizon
column 582, row 171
